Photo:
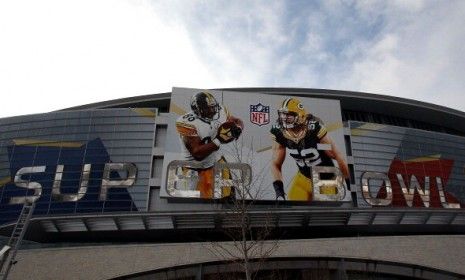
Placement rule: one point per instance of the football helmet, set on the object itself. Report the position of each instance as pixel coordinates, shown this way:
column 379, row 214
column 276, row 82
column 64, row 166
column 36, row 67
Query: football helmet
column 205, row 106
column 292, row 113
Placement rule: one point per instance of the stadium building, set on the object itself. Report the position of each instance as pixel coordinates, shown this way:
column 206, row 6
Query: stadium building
column 346, row 185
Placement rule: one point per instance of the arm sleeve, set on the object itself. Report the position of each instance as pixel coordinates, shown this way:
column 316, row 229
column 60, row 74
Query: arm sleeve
column 321, row 130
column 318, row 126
column 185, row 129
column 277, row 135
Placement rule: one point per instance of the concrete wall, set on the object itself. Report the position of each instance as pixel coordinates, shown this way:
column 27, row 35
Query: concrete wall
column 104, row 262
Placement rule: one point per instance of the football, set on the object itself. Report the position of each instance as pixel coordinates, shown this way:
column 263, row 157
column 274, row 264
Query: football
column 229, row 130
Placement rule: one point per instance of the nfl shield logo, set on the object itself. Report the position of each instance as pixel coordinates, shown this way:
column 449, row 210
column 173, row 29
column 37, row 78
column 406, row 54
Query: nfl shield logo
column 259, row 114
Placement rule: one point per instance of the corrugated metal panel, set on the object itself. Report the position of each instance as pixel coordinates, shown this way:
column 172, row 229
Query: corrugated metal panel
column 459, row 220
column 197, row 221
column 439, row 219
column 386, row 218
column 130, row 223
column 71, row 225
column 414, row 218
column 49, row 226
column 101, row 224
column 263, row 220
column 360, row 219
column 321, row 219
column 159, row 222
column 291, row 220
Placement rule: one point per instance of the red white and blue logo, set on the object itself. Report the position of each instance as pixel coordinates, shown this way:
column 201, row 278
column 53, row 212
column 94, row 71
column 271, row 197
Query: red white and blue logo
column 259, row 114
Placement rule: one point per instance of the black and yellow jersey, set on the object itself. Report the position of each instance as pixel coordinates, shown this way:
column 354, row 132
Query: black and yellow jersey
column 303, row 146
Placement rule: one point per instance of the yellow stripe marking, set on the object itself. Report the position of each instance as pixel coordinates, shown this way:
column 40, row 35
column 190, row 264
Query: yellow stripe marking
column 322, row 132
column 426, row 158
column 364, row 129
column 47, row 143
column 334, row 126
column 145, row 112
column 4, row 181
column 264, row 149
column 186, row 130
column 176, row 109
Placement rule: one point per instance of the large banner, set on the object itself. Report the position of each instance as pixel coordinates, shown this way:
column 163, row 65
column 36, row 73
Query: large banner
column 76, row 162
column 405, row 167
column 274, row 146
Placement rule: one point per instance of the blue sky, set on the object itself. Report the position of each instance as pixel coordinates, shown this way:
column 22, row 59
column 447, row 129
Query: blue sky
column 57, row 54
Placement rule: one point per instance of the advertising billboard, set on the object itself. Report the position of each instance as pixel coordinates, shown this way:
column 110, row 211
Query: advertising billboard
column 274, row 146
column 76, row 162
column 405, row 167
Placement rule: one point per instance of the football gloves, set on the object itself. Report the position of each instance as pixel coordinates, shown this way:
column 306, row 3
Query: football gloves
column 279, row 190
column 228, row 132
column 236, row 131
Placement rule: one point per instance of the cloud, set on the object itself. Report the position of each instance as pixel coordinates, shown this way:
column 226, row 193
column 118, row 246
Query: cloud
column 417, row 55
column 86, row 51
column 57, row 54
column 240, row 42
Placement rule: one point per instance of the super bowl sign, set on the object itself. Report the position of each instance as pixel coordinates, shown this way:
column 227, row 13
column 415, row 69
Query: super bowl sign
column 259, row 114
column 76, row 162
column 66, row 179
column 293, row 148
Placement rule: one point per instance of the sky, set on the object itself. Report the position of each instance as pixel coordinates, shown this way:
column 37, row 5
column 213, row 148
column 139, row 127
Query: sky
column 56, row 54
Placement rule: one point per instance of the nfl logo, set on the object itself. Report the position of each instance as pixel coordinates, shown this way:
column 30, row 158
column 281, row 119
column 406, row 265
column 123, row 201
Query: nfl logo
column 259, row 114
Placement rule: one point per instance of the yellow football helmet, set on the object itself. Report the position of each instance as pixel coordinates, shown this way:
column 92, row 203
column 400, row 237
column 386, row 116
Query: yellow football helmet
column 292, row 113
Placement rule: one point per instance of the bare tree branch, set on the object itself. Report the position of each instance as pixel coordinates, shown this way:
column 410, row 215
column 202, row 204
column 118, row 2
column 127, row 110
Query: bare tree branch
column 249, row 234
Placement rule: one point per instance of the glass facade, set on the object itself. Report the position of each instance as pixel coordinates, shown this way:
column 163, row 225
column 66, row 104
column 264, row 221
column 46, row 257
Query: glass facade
column 414, row 161
column 62, row 158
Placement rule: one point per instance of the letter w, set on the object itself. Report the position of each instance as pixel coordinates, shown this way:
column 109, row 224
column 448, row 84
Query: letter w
column 410, row 191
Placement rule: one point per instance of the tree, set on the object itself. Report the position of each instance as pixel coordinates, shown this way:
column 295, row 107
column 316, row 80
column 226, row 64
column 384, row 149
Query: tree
column 250, row 239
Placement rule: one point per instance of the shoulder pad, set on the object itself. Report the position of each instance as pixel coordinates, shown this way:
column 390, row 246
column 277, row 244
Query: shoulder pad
column 187, row 118
column 276, row 126
column 313, row 125
column 186, row 129
column 276, row 132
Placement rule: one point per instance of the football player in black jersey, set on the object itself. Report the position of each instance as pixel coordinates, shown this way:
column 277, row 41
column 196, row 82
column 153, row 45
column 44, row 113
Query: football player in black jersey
column 300, row 133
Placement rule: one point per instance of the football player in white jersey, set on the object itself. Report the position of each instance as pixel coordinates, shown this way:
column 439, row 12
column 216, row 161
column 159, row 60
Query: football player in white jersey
column 202, row 131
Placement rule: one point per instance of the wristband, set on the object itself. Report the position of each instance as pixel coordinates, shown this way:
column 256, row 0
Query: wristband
column 216, row 142
column 279, row 189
